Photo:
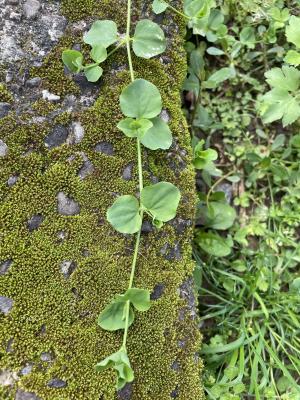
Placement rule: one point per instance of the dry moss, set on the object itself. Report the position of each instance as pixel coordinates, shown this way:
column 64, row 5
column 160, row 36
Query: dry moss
column 57, row 315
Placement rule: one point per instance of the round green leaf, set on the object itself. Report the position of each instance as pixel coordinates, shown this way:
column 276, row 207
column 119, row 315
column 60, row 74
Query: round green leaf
column 124, row 215
column 102, row 32
column 159, row 136
column 93, row 73
column 159, row 6
column 140, row 298
column 214, row 244
column 141, row 99
column 72, row 59
column 217, row 216
column 99, row 53
column 148, row 40
column 161, row 200
column 112, row 317
column 135, row 127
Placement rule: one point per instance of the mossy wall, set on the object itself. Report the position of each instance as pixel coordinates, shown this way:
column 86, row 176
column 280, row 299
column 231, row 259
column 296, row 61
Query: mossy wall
column 59, row 271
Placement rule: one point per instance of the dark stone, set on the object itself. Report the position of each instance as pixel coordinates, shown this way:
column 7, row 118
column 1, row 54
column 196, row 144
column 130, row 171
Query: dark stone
column 34, row 222
column 187, row 293
column 67, row 268
column 57, row 137
column 157, row 291
column 4, row 266
column 12, row 180
column 86, row 169
column 147, row 227
column 181, row 224
column 21, row 395
column 171, row 252
column 4, row 109
column 5, row 304
column 47, row 356
column 34, row 82
column 175, row 366
column 105, row 148
column 57, row 383
column 126, row 392
column 9, row 346
column 66, row 205
column 174, row 394
column 127, row 173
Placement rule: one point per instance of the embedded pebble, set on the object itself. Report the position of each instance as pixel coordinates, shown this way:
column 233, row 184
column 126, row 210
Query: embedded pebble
column 31, row 8
column 157, row 291
column 67, row 268
column 57, row 383
column 165, row 116
column 4, row 266
column 50, row 96
column 12, row 180
column 34, row 82
column 3, row 149
column 5, row 304
column 26, row 370
column 66, row 205
column 127, row 172
column 77, row 133
column 46, row 356
column 57, row 137
column 86, row 169
column 105, row 148
column 22, row 395
column 4, row 109
column 8, row 378
column 34, row 222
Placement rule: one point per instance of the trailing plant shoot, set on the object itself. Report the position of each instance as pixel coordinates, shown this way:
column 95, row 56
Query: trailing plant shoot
column 141, row 104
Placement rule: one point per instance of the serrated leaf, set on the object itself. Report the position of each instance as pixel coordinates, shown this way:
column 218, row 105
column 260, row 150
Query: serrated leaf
column 148, row 40
column 159, row 136
column 72, row 59
column 159, row 6
column 140, row 298
column 141, row 99
column 102, row 32
column 292, row 57
column 112, row 317
column 124, row 215
column 93, row 73
column 292, row 31
column 99, row 53
column 135, row 127
column 161, row 200
column 285, row 78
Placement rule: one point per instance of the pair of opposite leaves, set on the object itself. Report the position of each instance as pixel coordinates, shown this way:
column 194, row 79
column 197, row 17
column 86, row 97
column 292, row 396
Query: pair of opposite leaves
column 148, row 41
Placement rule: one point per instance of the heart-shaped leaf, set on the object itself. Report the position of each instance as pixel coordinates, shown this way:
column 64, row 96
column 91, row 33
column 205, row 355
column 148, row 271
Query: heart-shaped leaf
column 141, row 99
column 112, row 317
column 99, row 53
column 217, row 216
column 159, row 6
column 124, row 215
column 93, row 73
column 214, row 244
column 73, row 60
column 148, row 40
column 161, row 200
column 119, row 361
column 159, row 136
column 140, row 298
column 135, row 127
column 102, row 32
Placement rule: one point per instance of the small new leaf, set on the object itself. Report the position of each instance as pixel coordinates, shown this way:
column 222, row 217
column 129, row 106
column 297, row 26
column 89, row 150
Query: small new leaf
column 141, row 99
column 73, row 60
column 119, row 361
column 135, row 127
column 124, row 215
column 148, row 40
column 112, row 317
column 99, row 53
column 159, row 6
column 140, row 298
column 103, row 32
column 161, row 200
column 159, row 136
column 93, row 73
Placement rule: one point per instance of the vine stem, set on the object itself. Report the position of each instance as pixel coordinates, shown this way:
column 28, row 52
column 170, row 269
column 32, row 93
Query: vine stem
column 141, row 185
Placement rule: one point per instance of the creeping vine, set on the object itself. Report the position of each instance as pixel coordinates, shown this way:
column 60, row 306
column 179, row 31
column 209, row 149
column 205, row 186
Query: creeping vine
column 141, row 105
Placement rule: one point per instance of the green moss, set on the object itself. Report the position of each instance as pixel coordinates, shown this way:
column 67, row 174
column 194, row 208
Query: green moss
column 5, row 95
column 58, row 315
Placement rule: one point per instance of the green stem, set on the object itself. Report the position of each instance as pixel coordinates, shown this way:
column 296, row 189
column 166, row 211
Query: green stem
column 141, row 185
column 176, row 11
column 117, row 47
